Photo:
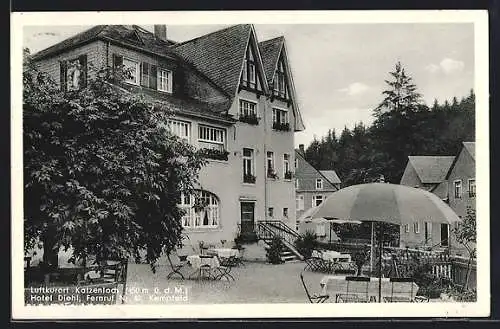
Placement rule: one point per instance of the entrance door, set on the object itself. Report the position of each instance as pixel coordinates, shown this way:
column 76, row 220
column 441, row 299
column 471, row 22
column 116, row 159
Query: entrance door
column 428, row 233
column 444, row 235
column 247, row 217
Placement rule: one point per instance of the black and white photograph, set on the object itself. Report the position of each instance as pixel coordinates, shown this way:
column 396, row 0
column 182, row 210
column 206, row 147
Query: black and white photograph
column 250, row 164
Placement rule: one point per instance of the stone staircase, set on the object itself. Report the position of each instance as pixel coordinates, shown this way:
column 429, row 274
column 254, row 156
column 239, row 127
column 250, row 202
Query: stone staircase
column 267, row 230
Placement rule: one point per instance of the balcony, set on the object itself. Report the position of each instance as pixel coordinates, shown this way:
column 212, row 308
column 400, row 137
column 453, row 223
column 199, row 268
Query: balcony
column 249, row 179
column 249, row 118
column 281, row 126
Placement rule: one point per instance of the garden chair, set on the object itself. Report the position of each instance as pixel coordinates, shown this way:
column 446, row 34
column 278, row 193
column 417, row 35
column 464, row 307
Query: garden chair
column 403, row 290
column 225, row 268
column 357, row 291
column 314, row 298
column 182, row 261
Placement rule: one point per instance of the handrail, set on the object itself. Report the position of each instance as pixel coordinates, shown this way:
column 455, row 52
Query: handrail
column 271, row 228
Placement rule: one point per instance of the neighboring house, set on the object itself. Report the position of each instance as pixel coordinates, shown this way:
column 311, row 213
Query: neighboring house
column 453, row 180
column 231, row 96
column 429, row 173
column 312, row 187
column 462, row 183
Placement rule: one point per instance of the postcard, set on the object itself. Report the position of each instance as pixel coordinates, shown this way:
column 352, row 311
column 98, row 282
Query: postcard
column 251, row 164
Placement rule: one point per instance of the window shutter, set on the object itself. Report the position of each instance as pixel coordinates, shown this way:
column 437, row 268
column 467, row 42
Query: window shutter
column 152, row 77
column 63, row 71
column 83, row 76
column 145, row 74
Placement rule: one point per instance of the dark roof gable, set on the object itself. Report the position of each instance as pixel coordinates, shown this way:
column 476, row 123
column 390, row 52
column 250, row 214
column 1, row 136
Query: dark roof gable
column 219, row 55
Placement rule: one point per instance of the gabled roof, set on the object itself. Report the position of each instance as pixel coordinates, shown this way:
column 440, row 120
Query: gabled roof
column 431, row 169
column 270, row 51
column 326, row 174
column 130, row 35
column 471, row 148
column 218, row 55
column 331, row 175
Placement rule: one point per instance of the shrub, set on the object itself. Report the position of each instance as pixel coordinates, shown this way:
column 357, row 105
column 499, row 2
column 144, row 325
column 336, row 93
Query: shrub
column 306, row 243
column 273, row 253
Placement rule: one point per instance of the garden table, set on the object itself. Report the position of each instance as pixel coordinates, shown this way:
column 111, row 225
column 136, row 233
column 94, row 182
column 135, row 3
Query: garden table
column 204, row 266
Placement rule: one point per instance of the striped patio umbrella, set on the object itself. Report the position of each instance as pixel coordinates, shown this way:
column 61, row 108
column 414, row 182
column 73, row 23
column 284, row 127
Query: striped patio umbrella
column 383, row 202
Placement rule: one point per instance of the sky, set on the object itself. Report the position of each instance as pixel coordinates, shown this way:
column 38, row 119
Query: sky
column 339, row 69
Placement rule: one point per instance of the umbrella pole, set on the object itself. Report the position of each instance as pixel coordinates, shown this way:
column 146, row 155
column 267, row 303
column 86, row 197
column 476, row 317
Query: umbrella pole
column 380, row 264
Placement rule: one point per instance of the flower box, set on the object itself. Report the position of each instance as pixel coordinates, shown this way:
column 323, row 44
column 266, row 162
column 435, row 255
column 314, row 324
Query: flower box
column 250, row 119
column 214, row 154
column 281, row 126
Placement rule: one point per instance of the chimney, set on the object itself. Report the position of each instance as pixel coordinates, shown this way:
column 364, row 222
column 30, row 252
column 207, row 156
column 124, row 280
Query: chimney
column 301, row 148
column 161, row 32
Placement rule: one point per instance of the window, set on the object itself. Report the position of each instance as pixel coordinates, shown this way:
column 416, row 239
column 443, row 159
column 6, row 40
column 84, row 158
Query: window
column 248, row 112
column 248, row 167
column 286, row 166
column 249, row 71
column 211, row 138
column 270, row 212
column 319, row 183
column 271, row 173
column 280, row 81
column 280, row 120
column 201, row 210
column 285, row 212
column 73, row 73
column 407, row 228
column 295, row 163
column 165, row 80
column 297, row 183
column 132, row 69
column 317, row 200
column 299, row 202
column 180, row 128
column 472, row 188
column 458, row 189
column 416, row 227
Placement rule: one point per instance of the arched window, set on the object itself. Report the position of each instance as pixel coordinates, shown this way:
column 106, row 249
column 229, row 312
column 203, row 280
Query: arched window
column 201, row 210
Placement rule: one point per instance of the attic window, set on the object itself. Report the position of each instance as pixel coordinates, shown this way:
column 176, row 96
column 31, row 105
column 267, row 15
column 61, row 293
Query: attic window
column 280, row 82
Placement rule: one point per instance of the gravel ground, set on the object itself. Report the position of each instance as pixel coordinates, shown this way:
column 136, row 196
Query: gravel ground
column 254, row 283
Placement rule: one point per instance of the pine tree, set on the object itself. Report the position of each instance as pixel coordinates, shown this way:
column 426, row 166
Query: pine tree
column 402, row 95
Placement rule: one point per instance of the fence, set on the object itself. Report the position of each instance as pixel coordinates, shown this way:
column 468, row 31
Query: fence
column 398, row 261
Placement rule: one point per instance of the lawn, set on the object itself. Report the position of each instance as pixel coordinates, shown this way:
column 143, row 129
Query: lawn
column 255, row 283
